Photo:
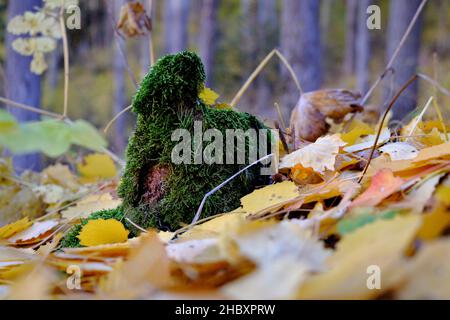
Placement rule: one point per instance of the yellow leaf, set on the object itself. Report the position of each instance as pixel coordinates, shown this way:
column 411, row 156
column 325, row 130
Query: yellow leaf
column 35, row 233
column 208, row 96
column 356, row 130
column 89, row 205
column 434, row 152
column 225, row 106
column 10, row 229
column 429, row 273
column 434, row 223
column 380, row 244
column 443, row 195
column 100, row 231
column 97, row 166
column 270, row 198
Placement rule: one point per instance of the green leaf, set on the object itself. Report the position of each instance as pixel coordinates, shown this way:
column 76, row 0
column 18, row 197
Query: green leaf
column 85, row 135
column 7, row 121
column 349, row 225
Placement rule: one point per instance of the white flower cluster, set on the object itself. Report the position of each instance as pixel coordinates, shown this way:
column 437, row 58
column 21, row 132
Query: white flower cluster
column 43, row 30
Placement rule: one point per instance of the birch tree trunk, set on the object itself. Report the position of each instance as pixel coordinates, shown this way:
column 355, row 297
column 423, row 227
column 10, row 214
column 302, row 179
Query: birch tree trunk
column 405, row 66
column 363, row 48
column 300, row 43
column 176, row 19
column 207, row 36
column 22, row 85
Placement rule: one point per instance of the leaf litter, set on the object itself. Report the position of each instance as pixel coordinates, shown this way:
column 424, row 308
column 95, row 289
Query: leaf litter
column 317, row 233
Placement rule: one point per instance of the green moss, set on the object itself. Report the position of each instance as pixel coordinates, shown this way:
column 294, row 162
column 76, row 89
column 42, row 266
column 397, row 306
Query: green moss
column 168, row 100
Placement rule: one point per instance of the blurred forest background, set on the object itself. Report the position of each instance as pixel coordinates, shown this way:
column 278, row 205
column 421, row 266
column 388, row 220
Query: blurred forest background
column 326, row 42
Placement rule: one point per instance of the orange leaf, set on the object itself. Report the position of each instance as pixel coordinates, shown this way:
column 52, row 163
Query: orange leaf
column 383, row 184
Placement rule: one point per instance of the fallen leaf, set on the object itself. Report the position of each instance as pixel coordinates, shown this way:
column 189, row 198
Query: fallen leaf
column 320, row 155
column 147, row 269
column 434, row 223
column 284, row 254
column 208, row 96
column 356, row 129
column 434, row 152
column 269, row 198
column 368, row 141
column 99, row 231
column 308, row 118
column 429, row 273
column 381, row 244
column 383, row 184
column 90, row 204
column 399, row 151
column 11, row 229
column 97, row 166
column 35, row 233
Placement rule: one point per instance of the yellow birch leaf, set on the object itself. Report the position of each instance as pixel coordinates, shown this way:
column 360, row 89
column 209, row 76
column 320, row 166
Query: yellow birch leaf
column 97, row 166
column 208, row 96
column 381, row 244
column 356, row 130
column 90, row 204
column 11, row 229
column 429, row 273
column 434, row 223
column 100, row 231
column 434, row 152
column 273, row 197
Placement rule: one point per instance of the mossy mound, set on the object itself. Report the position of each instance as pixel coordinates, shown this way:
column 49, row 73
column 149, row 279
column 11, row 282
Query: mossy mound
column 155, row 191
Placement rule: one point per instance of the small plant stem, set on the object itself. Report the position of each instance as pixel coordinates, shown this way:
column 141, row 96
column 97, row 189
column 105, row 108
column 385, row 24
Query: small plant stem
column 380, row 128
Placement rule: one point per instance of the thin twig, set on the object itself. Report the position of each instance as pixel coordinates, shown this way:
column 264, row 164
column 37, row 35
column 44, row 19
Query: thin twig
column 110, row 123
column 151, row 49
column 434, row 83
column 397, row 50
column 200, row 208
column 259, row 68
column 380, row 128
column 29, row 108
column 280, row 115
column 66, row 61
column 420, row 116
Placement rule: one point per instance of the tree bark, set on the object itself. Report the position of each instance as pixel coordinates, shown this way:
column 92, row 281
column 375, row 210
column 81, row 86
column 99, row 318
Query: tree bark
column 363, row 48
column 23, row 85
column 405, row 66
column 350, row 36
column 119, row 87
column 207, row 36
column 176, row 20
column 300, row 43
column 267, row 22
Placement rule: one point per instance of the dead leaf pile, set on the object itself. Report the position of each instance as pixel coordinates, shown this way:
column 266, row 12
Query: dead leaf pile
column 324, row 231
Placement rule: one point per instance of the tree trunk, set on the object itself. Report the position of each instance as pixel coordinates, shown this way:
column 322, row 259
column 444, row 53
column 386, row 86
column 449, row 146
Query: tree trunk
column 207, row 36
column 24, row 86
column 363, row 48
column 120, row 91
column 176, row 20
column 350, row 35
column 249, row 50
column 300, row 43
column 405, row 66
column 267, row 19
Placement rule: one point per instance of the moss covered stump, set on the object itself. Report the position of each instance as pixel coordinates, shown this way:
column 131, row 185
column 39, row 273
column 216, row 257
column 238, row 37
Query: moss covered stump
column 155, row 191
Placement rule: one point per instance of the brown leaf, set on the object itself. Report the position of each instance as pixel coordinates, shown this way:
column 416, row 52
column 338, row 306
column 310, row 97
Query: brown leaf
column 309, row 115
column 133, row 20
